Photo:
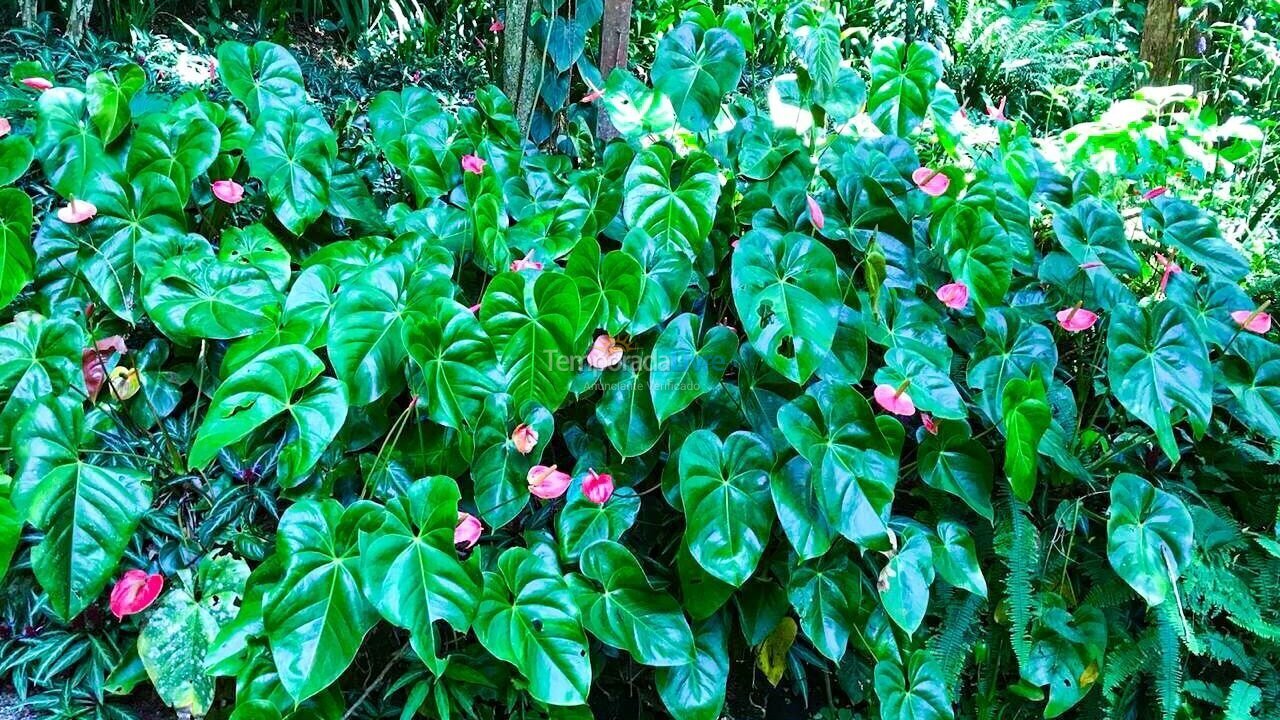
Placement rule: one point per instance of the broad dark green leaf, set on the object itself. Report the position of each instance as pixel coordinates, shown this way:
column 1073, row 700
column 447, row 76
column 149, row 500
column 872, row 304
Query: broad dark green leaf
column 696, row 69
column 696, row 691
column 1149, row 537
column 902, row 82
column 724, row 487
column 687, row 366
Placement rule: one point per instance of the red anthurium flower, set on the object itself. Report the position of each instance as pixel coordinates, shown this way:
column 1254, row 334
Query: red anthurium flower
column 1154, row 192
column 929, row 424
column 37, row 83
column 93, row 362
column 497, row 26
column 525, row 439
column 593, row 96
column 598, row 487
column 954, row 295
column 930, row 182
column 547, row 482
column 1076, row 319
column 473, row 164
column 605, row 352
column 5, row 127
column 135, row 592
column 526, row 263
column 815, row 213
column 468, row 531
column 1255, row 321
column 228, row 191
column 895, row 399
column 77, row 211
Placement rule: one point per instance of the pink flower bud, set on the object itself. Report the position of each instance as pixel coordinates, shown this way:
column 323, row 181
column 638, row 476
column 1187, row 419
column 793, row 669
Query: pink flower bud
column 525, row 439
column 954, row 295
column 815, row 213
column 547, row 482
column 1154, row 192
column 997, row 113
column 598, row 487
column 497, row 26
column 473, row 164
column 526, row 263
column 134, row 593
column 929, row 424
column 37, row 83
column 5, row 127
column 468, row 531
column 593, row 96
column 930, row 182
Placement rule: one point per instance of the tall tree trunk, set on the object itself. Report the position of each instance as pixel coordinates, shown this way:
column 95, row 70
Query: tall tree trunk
column 78, row 12
column 1160, row 41
column 615, row 34
column 520, row 61
column 27, row 14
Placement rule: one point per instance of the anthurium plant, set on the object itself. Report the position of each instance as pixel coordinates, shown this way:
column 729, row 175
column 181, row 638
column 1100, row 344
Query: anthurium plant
column 815, row 385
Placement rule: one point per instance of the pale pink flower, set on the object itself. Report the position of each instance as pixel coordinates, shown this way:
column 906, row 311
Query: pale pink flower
column 593, row 96
column 1170, row 267
column 1255, row 321
column 5, row 127
column 77, row 211
column 597, row 487
column 228, row 191
column 497, row 26
column 605, row 352
column 468, row 531
column 1154, row 192
column 954, row 295
column 526, row 263
column 547, row 482
column 473, row 164
column 524, row 438
column 1076, row 319
column 37, row 83
column 895, row 400
column 930, row 182
column 476, row 308
column 213, row 69
column 815, row 213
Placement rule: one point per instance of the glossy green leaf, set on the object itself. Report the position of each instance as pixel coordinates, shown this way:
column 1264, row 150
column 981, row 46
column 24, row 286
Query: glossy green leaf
column 533, row 322
column 527, row 617
column 696, row 691
column 902, row 82
column 17, row 260
column 109, row 93
column 582, row 522
column 261, row 76
column 293, row 152
column 904, row 582
column 913, row 692
column 952, row 461
column 196, row 296
column 724, row 487
column 827, row 595
column 955, row 558
column 696, row 69
column 672, row 199
column 1149, row 537
column 456, row 360
column 687, row 366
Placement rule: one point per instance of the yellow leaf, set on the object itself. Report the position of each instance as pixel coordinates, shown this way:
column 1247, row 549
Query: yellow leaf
column 1090, row 675
column 773, row 651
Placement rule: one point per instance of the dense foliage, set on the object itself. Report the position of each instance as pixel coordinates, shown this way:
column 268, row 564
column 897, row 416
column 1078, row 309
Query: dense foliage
column 827, row 385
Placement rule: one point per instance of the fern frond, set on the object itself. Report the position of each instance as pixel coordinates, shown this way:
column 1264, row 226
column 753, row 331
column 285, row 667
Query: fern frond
column 1024, row 558
column 954, row 641
column 1168, row 675
column 1242, row 699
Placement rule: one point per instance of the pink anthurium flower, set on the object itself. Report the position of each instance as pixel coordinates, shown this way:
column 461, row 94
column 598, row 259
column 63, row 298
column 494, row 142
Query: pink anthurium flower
column 930, row 182
column 895, row 399
column 1076, row 319
column 37, row 83
column 5, row 127
column 815, row 213
column 228, row 191
column 524, row 438
column 473, row 164
column 1154, row 192
column 213, row 69
column 1170, row 267
column 547, row 482
column 474, row 308
column 135, row 592
column 929, row 424
column 77, row 211
column 497, row 26
column 954, row 295
column 1256, row 321
column 468, row 531
column 594, row 95
column 526, row 263
column 93, row 362
column 598, row 487
column 605, row 352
